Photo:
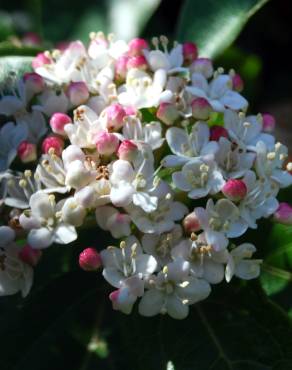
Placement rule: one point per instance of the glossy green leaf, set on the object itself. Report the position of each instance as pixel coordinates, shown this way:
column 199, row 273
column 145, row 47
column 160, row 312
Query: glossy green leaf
column 214, row 24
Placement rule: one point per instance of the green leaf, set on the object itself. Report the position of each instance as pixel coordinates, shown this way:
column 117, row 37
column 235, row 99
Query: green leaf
column 213, row 25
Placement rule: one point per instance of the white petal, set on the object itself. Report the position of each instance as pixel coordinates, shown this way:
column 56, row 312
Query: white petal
column 40, row 238
column 233, row 100
column 151, row 303
column 145, row 264
column 175, row 308
column 65, row 234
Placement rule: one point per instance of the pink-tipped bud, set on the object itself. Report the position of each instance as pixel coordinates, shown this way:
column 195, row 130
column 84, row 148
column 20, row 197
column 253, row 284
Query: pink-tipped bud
column 127, row 150
column 78, row 93
column 53, row 142
column 191, row 223
column 283, row 214
column 34, row 82
column 167, row 113
column 27, row 152
column 138, row 61
column 216, row 132
column 136, row 46
column 58, row 121
column 114, row 115
column 269, row 122
column 190, row 52
column 121, row 67
column 40, row 59
column 203, row 66
column 89, row 259
column 30, row 255
column 31, row 39
column 237, row 83
column 234, row 190
column 106, row 143
column 201, row 108
column 131, row 111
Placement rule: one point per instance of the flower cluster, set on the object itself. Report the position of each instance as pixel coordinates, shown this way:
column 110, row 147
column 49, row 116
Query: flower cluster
column 157, row 147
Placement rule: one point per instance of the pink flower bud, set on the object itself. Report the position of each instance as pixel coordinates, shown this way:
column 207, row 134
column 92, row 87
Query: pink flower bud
column 114, row 115
column 216, row 132
column 269, row 122
column 138, row 61
column 237, row 83
column 283, row 214
column 167, row 113
column 234, row 190
column 136, row 46
column 27, row 152
column 30, row 255
column 127, row 150
column 78, row 93
column 131, row 111
column 121, row 67
column 191, row 223
column 62, row 45
column 106, row 143
column 201, row 108
column 58, row 122
column 89, row 259
column 40, row 59
column 203, row 66
column 53, row 142
column 32, row 39
column 190, row 52
column 34, row 82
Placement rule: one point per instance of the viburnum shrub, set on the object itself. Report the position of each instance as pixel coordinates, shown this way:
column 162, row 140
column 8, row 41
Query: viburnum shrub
column 154, row 144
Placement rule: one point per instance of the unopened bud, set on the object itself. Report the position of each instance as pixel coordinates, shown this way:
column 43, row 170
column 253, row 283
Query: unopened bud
column 121, row 68
column 138, row 61
column 283, row 214
column 31, row 39
column 106, row 143
column 89, row 259
column 73, row 213
column 27, row 152
column 30, row 255
column 78, row 93
column 201, row 108
column 136, row 46
column 58, row 121
column 127, row 150
column 34, row 82
column 216, row 132
column 190, row 52
column 203, row 66
column 40, row 59
column 269, row 122
column 191, row 223
column 77, row 175
column 114, row 115
column 167, row 113
column 234, row 190
column 53, row 142
column 237, row 83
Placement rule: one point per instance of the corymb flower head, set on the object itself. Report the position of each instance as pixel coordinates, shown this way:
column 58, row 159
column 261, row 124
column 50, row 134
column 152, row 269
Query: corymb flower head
column 149, row 143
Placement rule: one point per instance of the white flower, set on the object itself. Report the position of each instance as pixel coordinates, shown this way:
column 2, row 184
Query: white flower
column 246, row 131
column 269, row 164
column 15, row 275
column 127, row 262
column 141, row 91
column 109, row 218
column 172, row 291
column 199, row 177
column 223, row 217
column 204, row 261
column 73, row 213
column 15, row 104
column 158, row 59
column 240, row 263
column 86, row 125
column 260, row 200
column 44, row 222
column 11, row 136
column 218, row 93
column 187, row 146
column 36, row 126
column 149, row 133
column 160, row 245
column 51, row 101
column 78, row 175
column 133, row 185
column 233, row 162
column 163, row 218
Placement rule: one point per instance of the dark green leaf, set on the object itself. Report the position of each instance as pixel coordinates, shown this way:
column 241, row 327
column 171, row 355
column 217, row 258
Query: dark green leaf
column 214, row 24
